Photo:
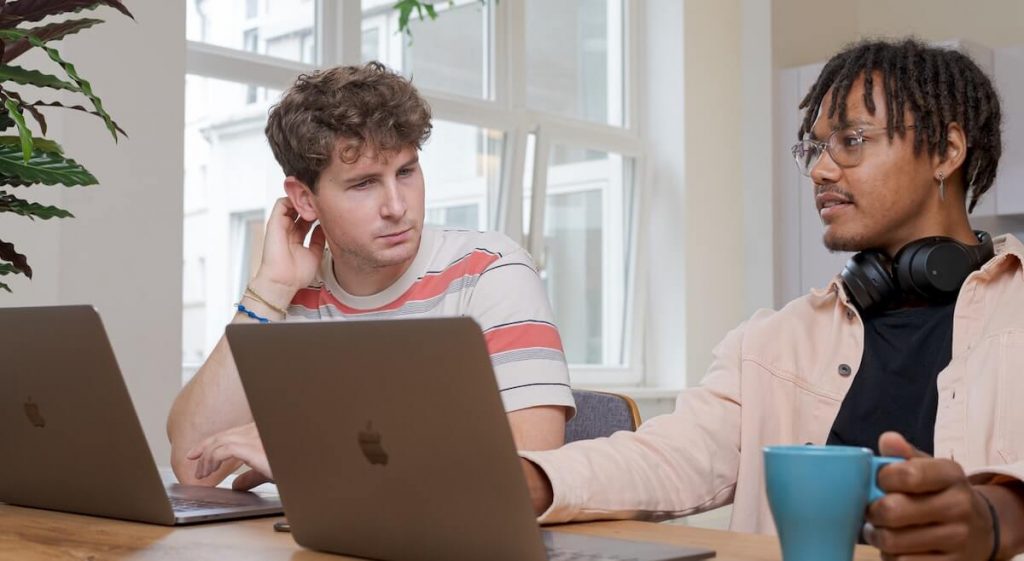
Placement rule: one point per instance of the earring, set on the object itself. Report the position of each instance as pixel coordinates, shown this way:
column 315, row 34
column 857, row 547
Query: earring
column 942, row 186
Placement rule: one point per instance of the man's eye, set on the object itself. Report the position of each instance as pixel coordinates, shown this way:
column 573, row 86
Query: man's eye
column 362, row 184
column 852, row 141
column 405, row 171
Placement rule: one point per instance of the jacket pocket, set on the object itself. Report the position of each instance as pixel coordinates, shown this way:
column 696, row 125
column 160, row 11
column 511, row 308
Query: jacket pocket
column 1009, row 433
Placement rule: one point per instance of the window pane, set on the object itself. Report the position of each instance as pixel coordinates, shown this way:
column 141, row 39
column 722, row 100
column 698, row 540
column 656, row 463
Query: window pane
column 371, row 44
column 462, row 169
column 278, row 28
column 449, row 54
column 586, row 241
column 231, row 182
column 574, row 58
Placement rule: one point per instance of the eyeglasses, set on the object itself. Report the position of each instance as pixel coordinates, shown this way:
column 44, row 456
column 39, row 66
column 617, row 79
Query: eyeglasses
column 845, row 147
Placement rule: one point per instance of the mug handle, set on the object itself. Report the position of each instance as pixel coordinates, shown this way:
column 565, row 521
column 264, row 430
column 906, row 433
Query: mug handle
column 877, row 463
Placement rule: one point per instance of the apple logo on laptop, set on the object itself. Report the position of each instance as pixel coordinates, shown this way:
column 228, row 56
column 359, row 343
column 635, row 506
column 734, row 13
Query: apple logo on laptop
column 33, row 414
column 369, row 443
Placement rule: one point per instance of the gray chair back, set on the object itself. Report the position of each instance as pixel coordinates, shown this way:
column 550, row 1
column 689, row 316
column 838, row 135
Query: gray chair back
column 601, row 414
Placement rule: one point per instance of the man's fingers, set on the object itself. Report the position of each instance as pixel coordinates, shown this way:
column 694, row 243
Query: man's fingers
column 893, row 444
column 920, row 475
column 248, row 480
column 284, row 207
column 918, row 540
column 297, row 234
column 925, row 557
column 897, row 510
column 318, row 241
column 215, row 456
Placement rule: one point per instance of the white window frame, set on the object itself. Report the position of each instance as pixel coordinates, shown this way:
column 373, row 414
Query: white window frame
column 506, row 111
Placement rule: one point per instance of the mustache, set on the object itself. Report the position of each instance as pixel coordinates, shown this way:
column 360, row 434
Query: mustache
column 834, row 189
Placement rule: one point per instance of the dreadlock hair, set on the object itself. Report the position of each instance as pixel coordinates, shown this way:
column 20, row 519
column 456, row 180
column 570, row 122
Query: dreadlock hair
column 939, row 86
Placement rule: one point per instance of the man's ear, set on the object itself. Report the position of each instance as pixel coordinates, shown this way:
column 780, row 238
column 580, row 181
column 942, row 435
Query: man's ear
column 301, row 197
column 956, row 151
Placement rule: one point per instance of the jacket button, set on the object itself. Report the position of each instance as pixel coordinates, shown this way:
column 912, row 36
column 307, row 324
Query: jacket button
column 845, row 370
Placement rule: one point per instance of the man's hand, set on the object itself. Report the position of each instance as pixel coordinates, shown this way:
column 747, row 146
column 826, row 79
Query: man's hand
column 930, row 509
column 540, row 487
column 287, row 264
column 243, row 446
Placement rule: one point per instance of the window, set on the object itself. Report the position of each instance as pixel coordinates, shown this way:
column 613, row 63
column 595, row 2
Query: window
column 532, row 136
column 588, row 214
column 574, row 59
column 238, row 24
column 297, row 45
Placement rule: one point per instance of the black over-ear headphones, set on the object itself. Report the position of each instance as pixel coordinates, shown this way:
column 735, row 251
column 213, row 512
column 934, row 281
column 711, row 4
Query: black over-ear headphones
column 932, row 269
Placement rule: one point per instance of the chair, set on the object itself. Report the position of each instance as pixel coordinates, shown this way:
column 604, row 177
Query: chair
column 601, row 414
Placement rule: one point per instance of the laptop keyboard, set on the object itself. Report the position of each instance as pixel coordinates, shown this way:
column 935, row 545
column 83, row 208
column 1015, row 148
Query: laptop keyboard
column 569, row 555
column 189, row 505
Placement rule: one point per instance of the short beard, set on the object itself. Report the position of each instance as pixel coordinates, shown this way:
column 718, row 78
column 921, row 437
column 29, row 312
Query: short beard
column 839, row 244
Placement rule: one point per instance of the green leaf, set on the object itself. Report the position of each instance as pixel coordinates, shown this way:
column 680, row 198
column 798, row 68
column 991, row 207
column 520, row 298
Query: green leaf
column 5, row 287
column 14, row 112
column 10, row 203
column 74, row 107
column 430, row 11
column 44, row 144
column 35, row 10
column 47, row 33
column 83, row 84
column 405, row 8
column 48, row 168
column 8, row 269
column 36, row 114
column 8, row 253
column 27, row 77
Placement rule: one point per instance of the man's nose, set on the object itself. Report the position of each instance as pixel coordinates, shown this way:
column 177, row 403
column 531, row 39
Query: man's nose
column 394, row 205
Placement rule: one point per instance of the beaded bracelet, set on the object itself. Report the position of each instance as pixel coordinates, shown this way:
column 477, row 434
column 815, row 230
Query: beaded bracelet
column 250, row 313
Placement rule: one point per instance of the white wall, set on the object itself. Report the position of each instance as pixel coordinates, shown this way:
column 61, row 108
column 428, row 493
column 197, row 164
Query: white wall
column 993, row 23
column 666, row 340
column 122, row 252
column 713, row 220
column 809, row 31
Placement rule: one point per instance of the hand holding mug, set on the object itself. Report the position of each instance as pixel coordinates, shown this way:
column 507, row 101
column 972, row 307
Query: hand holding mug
column 929, row 508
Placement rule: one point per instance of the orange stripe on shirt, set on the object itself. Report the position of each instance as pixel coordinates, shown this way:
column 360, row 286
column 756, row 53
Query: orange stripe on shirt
column 523, row 336
column 427, row 287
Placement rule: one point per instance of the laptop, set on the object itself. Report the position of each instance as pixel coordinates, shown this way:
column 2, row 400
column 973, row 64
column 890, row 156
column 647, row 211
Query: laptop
column 69, row 436
column 388, row 440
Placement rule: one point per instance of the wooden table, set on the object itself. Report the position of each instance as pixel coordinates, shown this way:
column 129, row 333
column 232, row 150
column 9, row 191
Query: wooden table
column 29, row 535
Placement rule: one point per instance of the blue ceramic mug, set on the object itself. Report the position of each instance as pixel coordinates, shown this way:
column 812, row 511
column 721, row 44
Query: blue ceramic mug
column 818, row 495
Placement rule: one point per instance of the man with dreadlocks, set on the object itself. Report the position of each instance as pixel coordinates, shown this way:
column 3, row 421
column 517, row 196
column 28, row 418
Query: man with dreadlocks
column 914, row 350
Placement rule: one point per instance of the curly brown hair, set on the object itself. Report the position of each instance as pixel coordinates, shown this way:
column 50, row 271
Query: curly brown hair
column 364, row 107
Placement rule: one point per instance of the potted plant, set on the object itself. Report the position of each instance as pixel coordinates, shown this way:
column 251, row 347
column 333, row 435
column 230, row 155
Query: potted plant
column 25, row 158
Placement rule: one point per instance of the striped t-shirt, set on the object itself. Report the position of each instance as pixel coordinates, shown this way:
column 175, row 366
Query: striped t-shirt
column 483, row 275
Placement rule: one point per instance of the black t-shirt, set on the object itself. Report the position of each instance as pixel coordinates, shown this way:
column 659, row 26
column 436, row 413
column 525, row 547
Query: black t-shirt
column 895, row 388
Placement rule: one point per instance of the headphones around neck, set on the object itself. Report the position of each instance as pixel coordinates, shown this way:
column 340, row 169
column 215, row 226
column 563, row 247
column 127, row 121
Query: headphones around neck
column 932, row 269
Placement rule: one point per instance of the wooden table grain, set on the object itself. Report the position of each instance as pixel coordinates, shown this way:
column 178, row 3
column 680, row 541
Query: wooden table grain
column 31, row 535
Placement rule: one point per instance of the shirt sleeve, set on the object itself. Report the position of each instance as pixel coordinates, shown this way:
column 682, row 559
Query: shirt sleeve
column 674, row 465
column 511, row 306
column 997, row 474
